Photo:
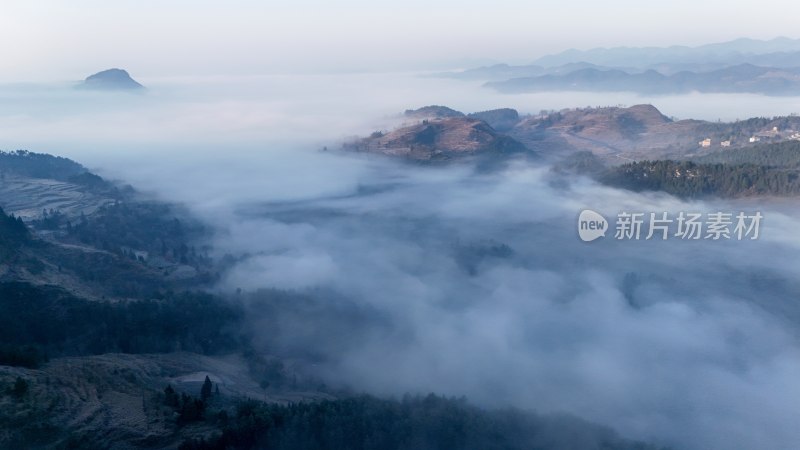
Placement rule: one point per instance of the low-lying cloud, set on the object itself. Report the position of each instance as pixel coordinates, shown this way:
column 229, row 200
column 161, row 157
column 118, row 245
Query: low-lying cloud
column 479, row 286
column 442, row 279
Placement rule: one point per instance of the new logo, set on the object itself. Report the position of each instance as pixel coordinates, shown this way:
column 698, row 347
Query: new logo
column 591, row 225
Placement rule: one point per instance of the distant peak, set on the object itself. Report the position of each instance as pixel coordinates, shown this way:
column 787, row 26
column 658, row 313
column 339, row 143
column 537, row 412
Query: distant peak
column 111, row 79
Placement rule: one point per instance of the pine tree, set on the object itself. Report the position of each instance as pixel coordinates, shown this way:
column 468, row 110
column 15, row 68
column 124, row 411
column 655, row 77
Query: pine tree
column 205, row 391
column 170, row 397
column 20, row 387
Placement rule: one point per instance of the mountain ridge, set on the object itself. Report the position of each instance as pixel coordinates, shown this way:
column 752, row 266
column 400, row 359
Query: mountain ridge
column 741, row 78
column 643, row 56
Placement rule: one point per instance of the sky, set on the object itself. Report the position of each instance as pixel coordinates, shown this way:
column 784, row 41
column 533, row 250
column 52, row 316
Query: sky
column 52, row 40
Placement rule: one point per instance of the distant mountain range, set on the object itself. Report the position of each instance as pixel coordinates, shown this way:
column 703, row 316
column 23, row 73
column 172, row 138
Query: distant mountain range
column 741, row 66
column 743, row 78
column 778, row 52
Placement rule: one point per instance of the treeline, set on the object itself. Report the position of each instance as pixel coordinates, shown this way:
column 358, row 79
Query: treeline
column 38, row 322
column 748, row 127
column 12, row 229
column 430, row 422
column 13, row 233
column 783, row 154
column 42, row 165
column 692, row 180
column 188, row 408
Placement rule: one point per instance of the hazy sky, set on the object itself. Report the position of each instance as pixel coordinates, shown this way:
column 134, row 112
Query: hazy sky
column 58, row 40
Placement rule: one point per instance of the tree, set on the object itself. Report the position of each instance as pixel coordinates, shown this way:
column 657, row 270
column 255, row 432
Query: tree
column 170, row 397
column 264, row 385
column 205, row 391
column 191, row 409
column 20, row 388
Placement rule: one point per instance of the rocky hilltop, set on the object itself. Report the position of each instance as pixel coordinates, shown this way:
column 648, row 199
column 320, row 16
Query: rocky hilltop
column 432, row 112
column 440, row 139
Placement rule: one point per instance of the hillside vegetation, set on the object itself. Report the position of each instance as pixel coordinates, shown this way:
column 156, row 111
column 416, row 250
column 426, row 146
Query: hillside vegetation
column 429, row 422
column 782, row 154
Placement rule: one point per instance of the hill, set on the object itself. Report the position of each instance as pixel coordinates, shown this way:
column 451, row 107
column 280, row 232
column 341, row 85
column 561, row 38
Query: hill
column 111, row 80
column 620, row 134
column 39, row 165
column 106, row 282
column 614, row 133
column 432, row 112
column 92, row 237
column 437, row 140
column 502, row 119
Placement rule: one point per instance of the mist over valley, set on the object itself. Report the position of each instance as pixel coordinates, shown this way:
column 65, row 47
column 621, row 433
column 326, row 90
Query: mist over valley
column 392, row 260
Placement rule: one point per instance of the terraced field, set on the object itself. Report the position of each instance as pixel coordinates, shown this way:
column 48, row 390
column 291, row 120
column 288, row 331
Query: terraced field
column 114, row 398
column 27, row 197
